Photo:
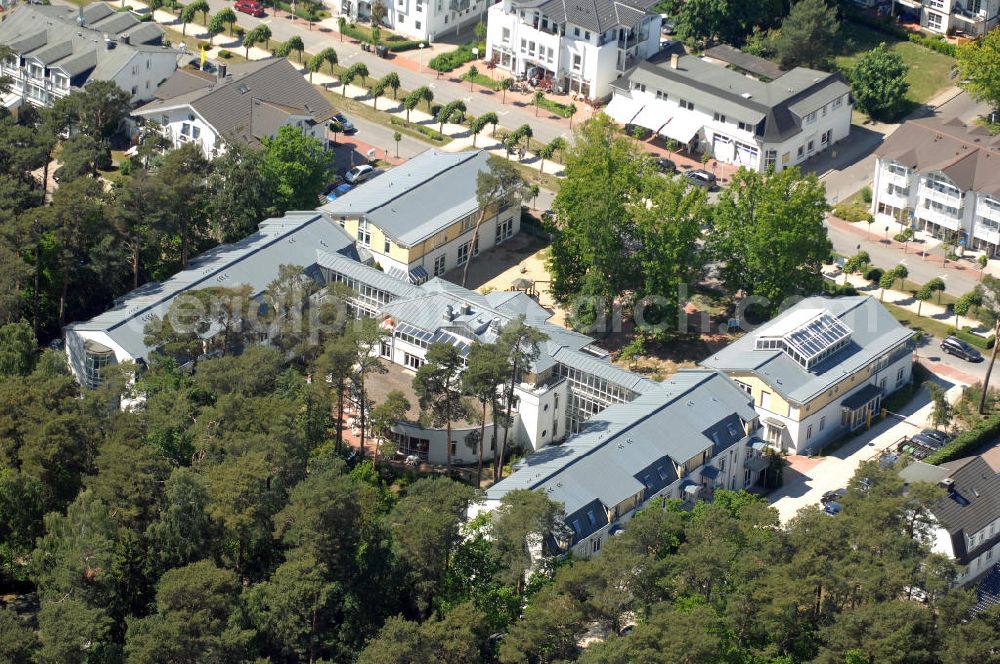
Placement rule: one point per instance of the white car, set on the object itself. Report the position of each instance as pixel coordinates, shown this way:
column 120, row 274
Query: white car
column 359, row 174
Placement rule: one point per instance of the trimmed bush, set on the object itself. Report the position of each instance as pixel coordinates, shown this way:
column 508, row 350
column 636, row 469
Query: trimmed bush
column 974, row 339
column 967, row 442
column 394, row 43
column 453, row 59
column 874, row 274
column 562, row 110
column 418, row 128
column 225, row 54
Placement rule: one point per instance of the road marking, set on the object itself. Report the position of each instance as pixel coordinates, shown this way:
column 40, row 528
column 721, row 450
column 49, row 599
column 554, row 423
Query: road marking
column 504, row 112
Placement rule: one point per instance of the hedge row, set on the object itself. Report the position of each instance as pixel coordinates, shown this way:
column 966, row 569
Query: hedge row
column 454, row 59
column 967, row 442
column 976, row 340
column 418, row 128
column 888, row 27
column 392, row 42
column 562, row 110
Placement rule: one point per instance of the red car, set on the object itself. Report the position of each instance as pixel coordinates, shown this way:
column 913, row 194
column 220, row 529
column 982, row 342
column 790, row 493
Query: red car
column 250, row 7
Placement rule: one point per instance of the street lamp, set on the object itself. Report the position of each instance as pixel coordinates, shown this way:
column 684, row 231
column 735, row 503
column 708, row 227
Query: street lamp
column 420, row 58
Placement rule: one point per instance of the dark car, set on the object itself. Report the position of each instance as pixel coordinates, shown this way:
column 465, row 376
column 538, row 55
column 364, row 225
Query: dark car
column 701, row 178
column 926, row 442
column 833, row 496
column 833, row 508
column 939, row 436
column 664, row 165
column 334, row 192
column 958, row 348
column 346, row 124
column 251, row 7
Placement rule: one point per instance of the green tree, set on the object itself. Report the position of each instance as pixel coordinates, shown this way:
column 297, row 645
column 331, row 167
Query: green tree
column 505, row 85
column 487, row 369
column 470, row 76
column 70, row 629
column 391, row 82
column 396, row 138
column 520, row 343
column 522, row 515
column 451, row 112
column 437, row 387
column 936, row 285
column 901, row 273
column 314, row 64
column 215, row 27
column 17, row 349
column 376, row 91
column 768, row 229
column 329, row 56
column 887, row 280
column 239, row 192
column 857, row 263
column 498, row 187
column 81, row 156
column 989, row 313
column 17, row 641
column 228, row 17
column 294, row 43
column 978, row 68
column 298, row 165
column 366, row 338
column 941, row 410
column 411, row 101
column 361, row 71
column 425, row 527
column 921, row 296
column 878, row 82
column 385, row 415
column 190, row 12
column 807, row 34
column 184, row 532
column 192, row 621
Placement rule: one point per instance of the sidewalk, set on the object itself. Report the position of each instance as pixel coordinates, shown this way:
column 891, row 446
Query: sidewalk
column 928, row 309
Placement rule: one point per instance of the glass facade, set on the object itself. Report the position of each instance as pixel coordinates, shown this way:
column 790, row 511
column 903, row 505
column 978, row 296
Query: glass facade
column 589, row 395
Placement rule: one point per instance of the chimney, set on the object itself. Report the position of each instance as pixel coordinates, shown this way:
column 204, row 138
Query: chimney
column 948, row 484
column 80, row 20
column 109, row 43
column 124, row 38
column 221, row 71
column 674, row 58
column 449, row 313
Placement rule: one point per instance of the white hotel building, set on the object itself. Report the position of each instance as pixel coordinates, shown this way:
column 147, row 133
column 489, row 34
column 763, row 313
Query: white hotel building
column 738, row 118
column 583, row 47
column 942, row 178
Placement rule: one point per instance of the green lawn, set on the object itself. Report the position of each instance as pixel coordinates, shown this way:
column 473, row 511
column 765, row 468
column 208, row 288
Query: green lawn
column 929, row 70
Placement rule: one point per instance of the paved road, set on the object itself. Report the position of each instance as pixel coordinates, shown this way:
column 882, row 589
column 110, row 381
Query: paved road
column 478, row 102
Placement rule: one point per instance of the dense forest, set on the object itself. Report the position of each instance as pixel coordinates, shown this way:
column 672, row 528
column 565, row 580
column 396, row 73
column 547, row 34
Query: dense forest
column 219, row 522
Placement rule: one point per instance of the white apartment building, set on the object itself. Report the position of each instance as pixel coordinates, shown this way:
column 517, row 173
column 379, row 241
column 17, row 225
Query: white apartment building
column 59, row 49
column 581, row 47
column 942, row 178
column 421, row 19
column 971, row 17
column 706, row 106
column 247, row 102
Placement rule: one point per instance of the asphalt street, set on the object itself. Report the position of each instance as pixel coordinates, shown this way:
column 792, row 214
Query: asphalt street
column 477, row 102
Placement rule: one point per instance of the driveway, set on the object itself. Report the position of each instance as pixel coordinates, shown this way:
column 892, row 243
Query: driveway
column 807, row 479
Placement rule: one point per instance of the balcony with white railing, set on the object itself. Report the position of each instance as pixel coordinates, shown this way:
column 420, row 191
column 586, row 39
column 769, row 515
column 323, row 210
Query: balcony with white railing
column 900, row 180
column 949, row 199
column 940, row 218
column 986, row 231
column 988, row 210
column 898, row 200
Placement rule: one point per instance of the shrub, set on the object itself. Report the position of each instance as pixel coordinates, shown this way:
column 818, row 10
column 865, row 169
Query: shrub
column 904, row 236
column 866, row 194
column 967, row 442
column 851, row 212
column 226, row 54
column 965, row 334
column 418, row 128
column 562, row 110
column 453, row 59
column 394, row 43
column 874, row 274
column 886, row 25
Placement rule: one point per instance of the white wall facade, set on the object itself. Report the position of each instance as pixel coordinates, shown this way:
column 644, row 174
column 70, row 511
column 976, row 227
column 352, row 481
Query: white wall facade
column 144, row 72
column 973, row 17
column 432, row 19
column 932, row 203
column 820, row 427
column 541, row 414
column 76, row 353
column 579, row 59
column 732, row 142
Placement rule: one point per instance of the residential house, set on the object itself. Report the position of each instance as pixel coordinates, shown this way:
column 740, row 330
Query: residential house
column 682, row 439
column 427, row 20
column 942, row 178
column 58, row 49
column 969, row 17
column 967, row 519
column 418, row 219
column 582, row 46
column 246, row 102
column 748, row 120
column 820, row 369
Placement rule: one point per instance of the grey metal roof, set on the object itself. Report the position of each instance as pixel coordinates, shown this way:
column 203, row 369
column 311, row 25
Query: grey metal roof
column 874, row 332
column 254, row 260
column 53, row 35
column 365, row 274
column 518, row 303
column 749, row 63
column 780, row 103
column 608, row 459
column 419, row 198
column 596, row 15
column 252, row 101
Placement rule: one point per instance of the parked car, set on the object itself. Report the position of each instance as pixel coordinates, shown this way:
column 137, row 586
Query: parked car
column 141, row 11
column 348, row 126
column 701, row 178
column 334, row 191
column 939, row 436
column 833, row 508
column 926, row 441
column 251, row 7
column 667, row 27
column 664, row 165
column 833, row 496
column 359, row 174
column 955, row 346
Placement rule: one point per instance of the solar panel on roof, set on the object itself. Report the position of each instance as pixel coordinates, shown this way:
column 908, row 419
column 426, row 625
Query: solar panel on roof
column 817, row 335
